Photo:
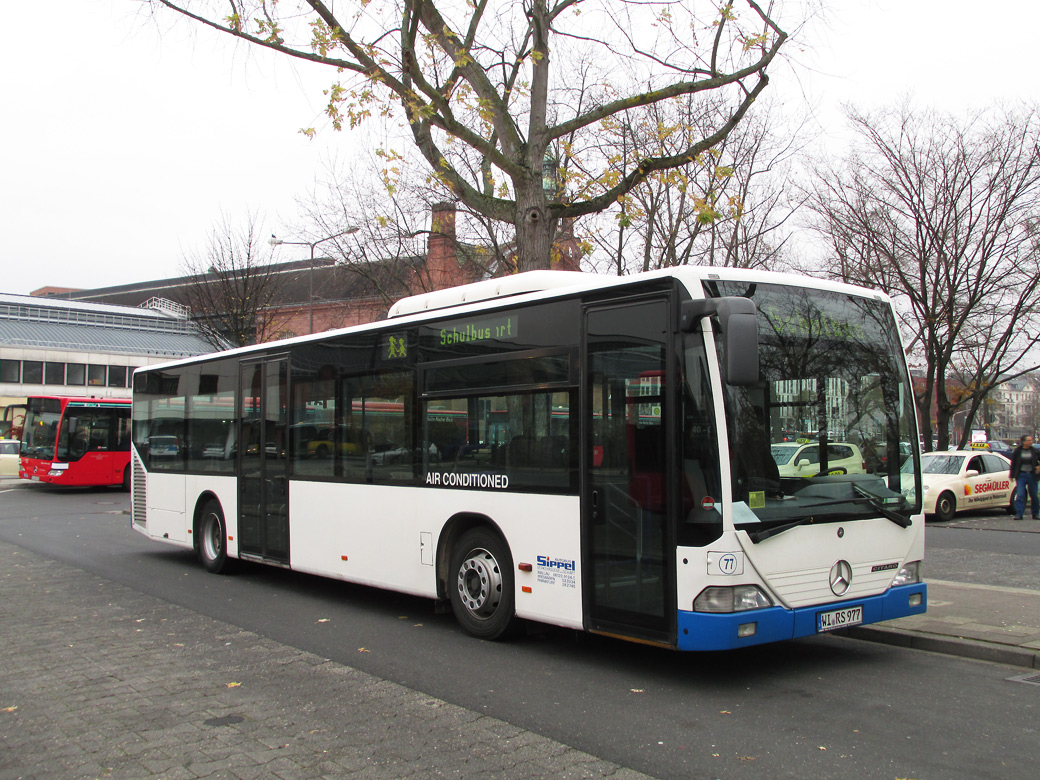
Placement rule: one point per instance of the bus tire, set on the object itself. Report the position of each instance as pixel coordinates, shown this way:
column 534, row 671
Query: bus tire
column 945, row 507
column 481, row 585
column 126, row 479
column 212, row 536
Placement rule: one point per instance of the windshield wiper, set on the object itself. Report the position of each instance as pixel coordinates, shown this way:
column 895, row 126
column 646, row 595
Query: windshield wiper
column 877, row 503
column 760, row 536
column 889, row 514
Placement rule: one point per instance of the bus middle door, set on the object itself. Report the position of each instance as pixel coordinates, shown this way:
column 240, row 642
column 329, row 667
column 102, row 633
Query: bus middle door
column 263, row 485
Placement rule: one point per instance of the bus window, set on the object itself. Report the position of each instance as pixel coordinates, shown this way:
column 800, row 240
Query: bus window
column 374, row 434
column 209, row 440
column 526, row 437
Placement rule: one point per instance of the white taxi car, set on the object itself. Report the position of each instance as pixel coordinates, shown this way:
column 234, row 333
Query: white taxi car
column 9, row 457
column 802, row 458
column 964, row 479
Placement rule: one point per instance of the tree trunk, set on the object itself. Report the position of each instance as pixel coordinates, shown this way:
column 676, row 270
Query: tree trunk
column 535, row 229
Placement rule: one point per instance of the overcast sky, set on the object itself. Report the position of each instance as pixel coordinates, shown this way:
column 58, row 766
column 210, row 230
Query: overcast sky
column 123, row 141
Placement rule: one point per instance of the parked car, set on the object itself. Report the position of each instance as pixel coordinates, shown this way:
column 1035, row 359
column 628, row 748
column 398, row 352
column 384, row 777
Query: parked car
column 164, row 446
column 1001, row 447
column 9, row 457
column 963, row 479
column 802, row 459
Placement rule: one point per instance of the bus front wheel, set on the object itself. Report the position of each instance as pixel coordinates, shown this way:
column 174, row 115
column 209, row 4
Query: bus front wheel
column 481, row 585
column 213, row 538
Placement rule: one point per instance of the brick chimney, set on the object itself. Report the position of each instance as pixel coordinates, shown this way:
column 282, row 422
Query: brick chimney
column 442, row 263
column 565, row 254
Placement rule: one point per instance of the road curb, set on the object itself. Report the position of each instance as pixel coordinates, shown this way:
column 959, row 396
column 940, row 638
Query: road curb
column 947, row 645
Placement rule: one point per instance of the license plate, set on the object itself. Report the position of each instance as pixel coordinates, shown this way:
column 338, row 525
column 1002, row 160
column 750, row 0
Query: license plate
column 34, row 478
column 839, row 618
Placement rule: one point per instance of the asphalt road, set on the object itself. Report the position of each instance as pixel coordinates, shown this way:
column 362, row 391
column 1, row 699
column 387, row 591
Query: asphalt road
column 822, row 707
column 967, row 550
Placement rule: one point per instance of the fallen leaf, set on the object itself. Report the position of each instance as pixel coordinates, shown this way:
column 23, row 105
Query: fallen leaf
column 324, row 620
column 234, row 685
column 9, row 709
column 636, row 690
column 363, row 650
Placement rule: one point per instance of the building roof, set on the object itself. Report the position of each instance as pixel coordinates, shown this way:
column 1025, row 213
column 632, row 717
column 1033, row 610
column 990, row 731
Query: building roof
column 49, row 323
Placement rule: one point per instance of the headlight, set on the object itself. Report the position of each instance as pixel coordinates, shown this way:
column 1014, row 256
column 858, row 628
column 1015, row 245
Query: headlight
column 908, row 575
column 737, row 598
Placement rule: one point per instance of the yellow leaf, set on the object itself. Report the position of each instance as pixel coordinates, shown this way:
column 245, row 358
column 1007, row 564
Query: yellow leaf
column 234, row 685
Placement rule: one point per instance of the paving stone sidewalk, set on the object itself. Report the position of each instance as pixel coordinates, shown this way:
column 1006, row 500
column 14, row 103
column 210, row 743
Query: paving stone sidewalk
column 99, row 681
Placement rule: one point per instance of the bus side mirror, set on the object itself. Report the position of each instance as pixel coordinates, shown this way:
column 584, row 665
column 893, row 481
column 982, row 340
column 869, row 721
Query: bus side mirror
column 738, row 320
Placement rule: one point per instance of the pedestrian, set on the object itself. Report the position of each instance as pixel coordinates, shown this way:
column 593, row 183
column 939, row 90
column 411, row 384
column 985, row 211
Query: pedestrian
column 1024, row 463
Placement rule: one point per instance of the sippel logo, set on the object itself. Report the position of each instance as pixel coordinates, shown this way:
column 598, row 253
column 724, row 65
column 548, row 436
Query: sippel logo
column 549, row 563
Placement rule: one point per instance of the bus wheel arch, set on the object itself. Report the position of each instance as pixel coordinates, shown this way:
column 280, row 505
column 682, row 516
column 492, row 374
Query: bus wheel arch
column 476, row 576
column 210, row 534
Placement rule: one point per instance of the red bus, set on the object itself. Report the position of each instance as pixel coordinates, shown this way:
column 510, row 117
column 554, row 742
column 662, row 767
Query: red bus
column 76, row 441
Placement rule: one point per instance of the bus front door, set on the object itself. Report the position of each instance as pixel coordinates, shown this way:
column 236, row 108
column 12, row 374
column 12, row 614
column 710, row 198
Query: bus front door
column 263, row 485
column 627, row 572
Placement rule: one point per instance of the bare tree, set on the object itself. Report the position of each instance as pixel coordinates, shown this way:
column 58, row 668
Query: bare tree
column 234, row 290
column 728, row 207
column 943, row 214
column 484, row 86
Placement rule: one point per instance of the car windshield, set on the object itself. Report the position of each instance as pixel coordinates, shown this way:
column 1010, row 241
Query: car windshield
column 832, row 370
column 938, row 463
column 782, row 453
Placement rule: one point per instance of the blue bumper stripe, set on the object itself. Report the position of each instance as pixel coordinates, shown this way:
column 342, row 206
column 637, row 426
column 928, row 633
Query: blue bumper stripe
column 711, row 631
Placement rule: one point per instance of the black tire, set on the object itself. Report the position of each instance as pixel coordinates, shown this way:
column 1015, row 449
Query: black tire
column 945, row 507
column 212, row 538
column 126, row 479
column 481, row 585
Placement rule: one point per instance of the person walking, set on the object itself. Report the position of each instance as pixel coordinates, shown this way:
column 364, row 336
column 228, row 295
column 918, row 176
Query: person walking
column 1025, row 461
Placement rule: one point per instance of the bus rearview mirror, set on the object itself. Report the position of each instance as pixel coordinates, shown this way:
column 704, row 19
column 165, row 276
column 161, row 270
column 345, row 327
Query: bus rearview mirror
column 738, row 321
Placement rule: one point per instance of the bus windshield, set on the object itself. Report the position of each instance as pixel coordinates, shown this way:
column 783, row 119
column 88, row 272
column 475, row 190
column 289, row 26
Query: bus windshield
column 41, row 428
column 826, row 431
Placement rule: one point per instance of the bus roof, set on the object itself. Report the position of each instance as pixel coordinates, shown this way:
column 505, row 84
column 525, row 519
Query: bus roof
column 538, row 285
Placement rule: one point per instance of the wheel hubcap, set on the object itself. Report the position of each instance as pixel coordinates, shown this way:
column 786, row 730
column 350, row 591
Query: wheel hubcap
column 480, row 583
column 212, row 540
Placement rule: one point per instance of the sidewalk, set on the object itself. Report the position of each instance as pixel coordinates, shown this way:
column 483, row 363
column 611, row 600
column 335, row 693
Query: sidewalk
column 974, row 621
column 97, row 680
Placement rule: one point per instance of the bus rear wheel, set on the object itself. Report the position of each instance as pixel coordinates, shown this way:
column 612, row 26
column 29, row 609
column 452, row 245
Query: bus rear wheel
column 481, row 585
column 212, row 537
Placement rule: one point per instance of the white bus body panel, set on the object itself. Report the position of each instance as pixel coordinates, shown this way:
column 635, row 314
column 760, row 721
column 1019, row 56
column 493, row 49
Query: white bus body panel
column 382, row 536
column 165, row 507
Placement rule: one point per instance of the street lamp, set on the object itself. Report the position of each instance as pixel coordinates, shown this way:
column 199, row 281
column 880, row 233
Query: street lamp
column 275, row 241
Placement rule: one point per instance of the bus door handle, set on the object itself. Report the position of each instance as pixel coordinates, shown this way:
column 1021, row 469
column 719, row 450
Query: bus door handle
column 595, row 511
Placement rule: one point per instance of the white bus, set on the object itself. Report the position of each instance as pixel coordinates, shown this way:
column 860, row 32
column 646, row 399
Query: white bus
column 585, row 451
